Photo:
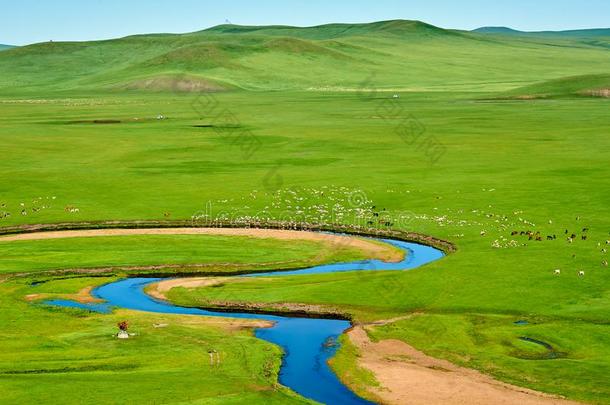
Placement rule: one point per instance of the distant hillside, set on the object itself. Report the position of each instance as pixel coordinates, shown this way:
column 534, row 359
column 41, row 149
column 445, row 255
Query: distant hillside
column 393, row 55
column 498, row 30
column 585, row 33
column 574, row 86
column 332, row 31
column 596, row 32
column 5, row 47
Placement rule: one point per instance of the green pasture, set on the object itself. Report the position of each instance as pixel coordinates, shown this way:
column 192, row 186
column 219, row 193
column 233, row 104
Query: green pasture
column 63, row 356
column 172, row 250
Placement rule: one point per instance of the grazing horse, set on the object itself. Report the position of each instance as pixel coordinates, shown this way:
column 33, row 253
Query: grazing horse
column 584, row 237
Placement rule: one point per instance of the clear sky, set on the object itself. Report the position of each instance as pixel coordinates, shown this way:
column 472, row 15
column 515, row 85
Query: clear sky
column 28, row 21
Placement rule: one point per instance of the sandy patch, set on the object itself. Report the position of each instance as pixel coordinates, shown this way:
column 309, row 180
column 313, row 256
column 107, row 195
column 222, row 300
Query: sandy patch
column 408, row 376
column 83, row 296
column 158, row 290
column 231, row 324
column 162, row 321
column 372, row 249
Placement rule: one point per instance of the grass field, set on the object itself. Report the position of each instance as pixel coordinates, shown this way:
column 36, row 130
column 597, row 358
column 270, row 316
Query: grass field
column 454, row 157
column 68, row 356
column 181, row 250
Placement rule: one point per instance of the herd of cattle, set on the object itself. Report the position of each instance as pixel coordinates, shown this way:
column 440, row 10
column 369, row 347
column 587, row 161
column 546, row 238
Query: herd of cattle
column 570, row 238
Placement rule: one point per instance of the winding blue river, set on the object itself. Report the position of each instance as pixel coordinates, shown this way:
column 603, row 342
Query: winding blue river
column 307, row 342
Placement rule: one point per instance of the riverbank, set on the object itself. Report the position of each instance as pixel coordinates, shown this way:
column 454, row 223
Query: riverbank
column 409, row 376
column 403, row 374
column 316, row 248
column 354, row 230
column 368, row 247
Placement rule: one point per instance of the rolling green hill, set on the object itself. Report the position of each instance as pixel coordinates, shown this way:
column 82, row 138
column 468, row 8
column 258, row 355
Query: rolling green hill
column 392, row 55
column 584, row 86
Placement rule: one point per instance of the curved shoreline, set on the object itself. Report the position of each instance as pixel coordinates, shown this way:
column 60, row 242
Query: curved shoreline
column 19, row 232
column 408, row 375
column 406, row 236
column 368, row 247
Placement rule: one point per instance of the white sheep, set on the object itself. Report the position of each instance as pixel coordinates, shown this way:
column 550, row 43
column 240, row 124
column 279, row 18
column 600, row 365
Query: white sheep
column 581, row 273
column 557, row 272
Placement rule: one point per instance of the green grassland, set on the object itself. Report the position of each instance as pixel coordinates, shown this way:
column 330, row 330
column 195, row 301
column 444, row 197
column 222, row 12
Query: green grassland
column 171, row 250
column 573, row 86
column 333, row 146
column 62, row 356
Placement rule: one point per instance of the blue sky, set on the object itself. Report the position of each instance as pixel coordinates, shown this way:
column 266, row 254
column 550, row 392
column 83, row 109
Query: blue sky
column 28, row 21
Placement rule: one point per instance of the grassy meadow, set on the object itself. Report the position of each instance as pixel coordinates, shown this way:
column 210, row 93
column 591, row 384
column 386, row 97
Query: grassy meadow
column 171, row 250
column 491, row 135
column 64, row 356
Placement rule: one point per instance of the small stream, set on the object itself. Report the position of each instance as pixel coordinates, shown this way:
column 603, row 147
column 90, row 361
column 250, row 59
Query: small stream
column 305, row 341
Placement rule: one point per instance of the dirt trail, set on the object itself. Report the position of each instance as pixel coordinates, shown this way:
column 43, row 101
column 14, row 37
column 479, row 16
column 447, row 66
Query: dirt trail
column 370, row 248
column 408, row 376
